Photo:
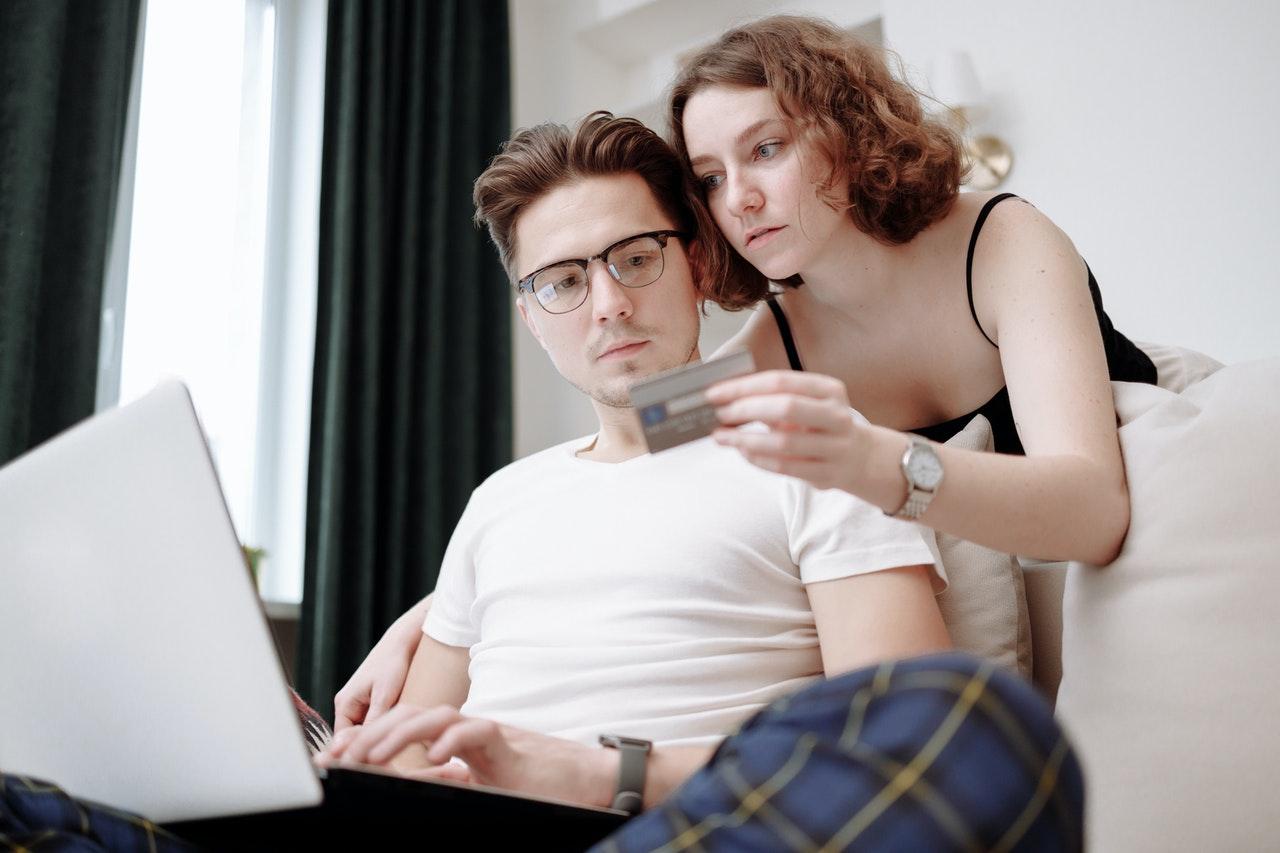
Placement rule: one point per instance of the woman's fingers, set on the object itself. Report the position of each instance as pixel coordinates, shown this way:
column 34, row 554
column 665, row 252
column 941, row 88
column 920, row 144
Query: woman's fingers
column 785, row 410
column 799, row 445
column 813, row 385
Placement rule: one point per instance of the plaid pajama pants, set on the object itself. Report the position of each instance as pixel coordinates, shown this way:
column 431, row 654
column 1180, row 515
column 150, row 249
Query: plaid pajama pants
column 930, row 754
column 37, row 816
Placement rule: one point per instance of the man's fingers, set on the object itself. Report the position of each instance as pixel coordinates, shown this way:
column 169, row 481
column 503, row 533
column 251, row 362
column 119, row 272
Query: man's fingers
column 464, row 737
column 398, row 728
column 452, row 772
column 341, row 740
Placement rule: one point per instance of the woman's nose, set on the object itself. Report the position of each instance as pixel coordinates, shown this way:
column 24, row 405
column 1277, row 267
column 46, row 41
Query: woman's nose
column 743, row 195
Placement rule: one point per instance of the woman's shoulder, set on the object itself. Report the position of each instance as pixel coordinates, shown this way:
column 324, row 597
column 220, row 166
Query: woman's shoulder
column 999, row 231
column 1005, row 214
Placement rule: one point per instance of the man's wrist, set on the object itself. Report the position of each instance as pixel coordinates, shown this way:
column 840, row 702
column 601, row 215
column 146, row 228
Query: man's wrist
column 602, row 777
column 633, row 770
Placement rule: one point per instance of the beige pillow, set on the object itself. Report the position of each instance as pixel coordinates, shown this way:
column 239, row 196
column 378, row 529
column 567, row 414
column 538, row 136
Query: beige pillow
column 1171, row 654
column 1178, row 368
column 984, row 604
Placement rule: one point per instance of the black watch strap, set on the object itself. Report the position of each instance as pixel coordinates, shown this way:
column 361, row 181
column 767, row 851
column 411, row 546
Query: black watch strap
column 633, row 762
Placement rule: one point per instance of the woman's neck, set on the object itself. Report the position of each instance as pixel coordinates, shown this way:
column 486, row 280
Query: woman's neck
column 856, row 279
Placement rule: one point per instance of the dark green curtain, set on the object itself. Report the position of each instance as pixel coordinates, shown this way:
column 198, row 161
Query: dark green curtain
column 65, row 73
column 411, row 406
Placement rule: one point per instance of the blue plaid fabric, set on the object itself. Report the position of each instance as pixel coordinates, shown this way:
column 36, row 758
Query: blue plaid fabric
column 934, row 753
column 37, row 816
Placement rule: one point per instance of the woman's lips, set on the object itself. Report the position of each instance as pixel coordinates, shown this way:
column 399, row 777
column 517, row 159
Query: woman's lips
column 760, row 238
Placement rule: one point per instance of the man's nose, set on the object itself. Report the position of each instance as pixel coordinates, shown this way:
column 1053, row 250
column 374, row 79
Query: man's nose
column 609, row 300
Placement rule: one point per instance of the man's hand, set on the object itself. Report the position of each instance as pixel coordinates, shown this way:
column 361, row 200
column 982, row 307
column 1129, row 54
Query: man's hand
column 420, row 743
column 376, row 684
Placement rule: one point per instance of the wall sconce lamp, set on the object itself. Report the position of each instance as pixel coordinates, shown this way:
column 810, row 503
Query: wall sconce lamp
column 955, row 85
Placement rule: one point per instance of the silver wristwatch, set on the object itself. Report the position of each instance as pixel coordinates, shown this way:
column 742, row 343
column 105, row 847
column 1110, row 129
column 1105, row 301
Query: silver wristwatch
column 923, row 470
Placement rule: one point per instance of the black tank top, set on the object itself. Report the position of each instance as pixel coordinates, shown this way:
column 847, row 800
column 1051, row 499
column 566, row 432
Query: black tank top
column 1125, row 362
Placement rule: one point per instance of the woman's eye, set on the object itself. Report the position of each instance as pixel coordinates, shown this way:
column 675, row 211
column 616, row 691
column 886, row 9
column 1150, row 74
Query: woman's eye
column 711, row 182
column 768, row 149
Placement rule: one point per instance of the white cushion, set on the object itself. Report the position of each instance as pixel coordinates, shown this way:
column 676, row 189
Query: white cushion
column 1171, row 654
column 1178, row 368
column 985, row 604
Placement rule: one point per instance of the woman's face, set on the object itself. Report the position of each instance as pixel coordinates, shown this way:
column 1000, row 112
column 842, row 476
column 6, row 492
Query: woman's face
column 759, row 180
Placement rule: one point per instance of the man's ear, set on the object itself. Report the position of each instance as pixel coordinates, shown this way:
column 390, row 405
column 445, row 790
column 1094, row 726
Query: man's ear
column 528, row 321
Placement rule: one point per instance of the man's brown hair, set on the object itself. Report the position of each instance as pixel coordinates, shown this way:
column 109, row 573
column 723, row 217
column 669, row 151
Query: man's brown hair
column 540, row 159
column 901, row 170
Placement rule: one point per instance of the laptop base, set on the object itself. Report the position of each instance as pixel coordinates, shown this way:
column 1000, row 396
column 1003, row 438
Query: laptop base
column 368, row 811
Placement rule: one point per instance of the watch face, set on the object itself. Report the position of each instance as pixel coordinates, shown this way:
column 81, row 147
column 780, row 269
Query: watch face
column 923, row 467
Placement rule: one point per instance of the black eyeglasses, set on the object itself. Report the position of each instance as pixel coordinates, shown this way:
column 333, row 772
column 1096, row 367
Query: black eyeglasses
column 633, row 261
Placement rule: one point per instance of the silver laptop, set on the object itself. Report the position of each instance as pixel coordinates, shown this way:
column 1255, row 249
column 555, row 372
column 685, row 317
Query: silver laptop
column 137, row 665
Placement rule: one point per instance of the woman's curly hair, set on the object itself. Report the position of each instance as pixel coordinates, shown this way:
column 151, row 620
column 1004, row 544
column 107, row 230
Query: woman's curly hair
column 901, row 169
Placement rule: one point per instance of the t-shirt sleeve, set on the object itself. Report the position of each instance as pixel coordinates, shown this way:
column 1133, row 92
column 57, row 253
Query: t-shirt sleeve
column 836, row 535
column 450, row 618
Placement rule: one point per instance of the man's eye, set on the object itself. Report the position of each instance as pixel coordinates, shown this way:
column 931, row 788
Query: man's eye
column 566, row 283
column 637, row 260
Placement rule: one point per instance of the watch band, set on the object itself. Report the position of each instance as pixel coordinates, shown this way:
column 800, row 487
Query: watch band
column 914, row 506
column 633, row 762
column 918, row 497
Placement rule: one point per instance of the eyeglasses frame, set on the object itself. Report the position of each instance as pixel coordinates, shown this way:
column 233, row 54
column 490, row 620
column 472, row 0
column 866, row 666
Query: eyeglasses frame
column 525, row 285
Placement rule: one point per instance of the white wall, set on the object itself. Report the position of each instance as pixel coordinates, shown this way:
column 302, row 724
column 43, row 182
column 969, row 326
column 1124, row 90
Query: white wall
column 1148, row 131
column 1145, row 129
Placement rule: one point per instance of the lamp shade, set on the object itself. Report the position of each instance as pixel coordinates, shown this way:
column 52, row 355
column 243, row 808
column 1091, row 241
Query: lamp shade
column 954, row 81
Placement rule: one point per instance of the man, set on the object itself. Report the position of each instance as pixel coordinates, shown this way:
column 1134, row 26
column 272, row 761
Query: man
column 595, row 590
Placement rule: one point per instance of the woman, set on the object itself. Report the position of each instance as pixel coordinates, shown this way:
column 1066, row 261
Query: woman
column 918, row 305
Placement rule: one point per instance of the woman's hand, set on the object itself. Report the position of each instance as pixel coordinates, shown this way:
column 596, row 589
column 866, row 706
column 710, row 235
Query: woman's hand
column 376, row 685
column 812, row 433
column 422, row 741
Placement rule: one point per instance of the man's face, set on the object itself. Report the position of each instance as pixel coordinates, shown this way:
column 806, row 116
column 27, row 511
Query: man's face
column 620, row 334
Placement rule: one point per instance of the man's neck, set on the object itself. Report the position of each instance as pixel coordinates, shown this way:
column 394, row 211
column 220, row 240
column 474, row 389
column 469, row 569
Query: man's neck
column 620, row 437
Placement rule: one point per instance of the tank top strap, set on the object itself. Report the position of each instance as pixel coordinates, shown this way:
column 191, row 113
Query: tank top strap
column 784, row 330
column 968, row 264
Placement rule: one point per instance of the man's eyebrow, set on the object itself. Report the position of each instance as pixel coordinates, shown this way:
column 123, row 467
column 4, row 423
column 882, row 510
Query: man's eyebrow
column 541, row 267
column 738, row 141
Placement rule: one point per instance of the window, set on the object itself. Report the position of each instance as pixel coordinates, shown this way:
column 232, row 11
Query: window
column 221, row 249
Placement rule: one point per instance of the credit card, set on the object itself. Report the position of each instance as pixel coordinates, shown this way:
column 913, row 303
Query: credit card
column 673, row 405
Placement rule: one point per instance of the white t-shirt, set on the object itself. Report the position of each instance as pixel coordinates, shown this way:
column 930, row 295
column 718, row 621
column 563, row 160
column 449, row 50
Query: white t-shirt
column 661, row 598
